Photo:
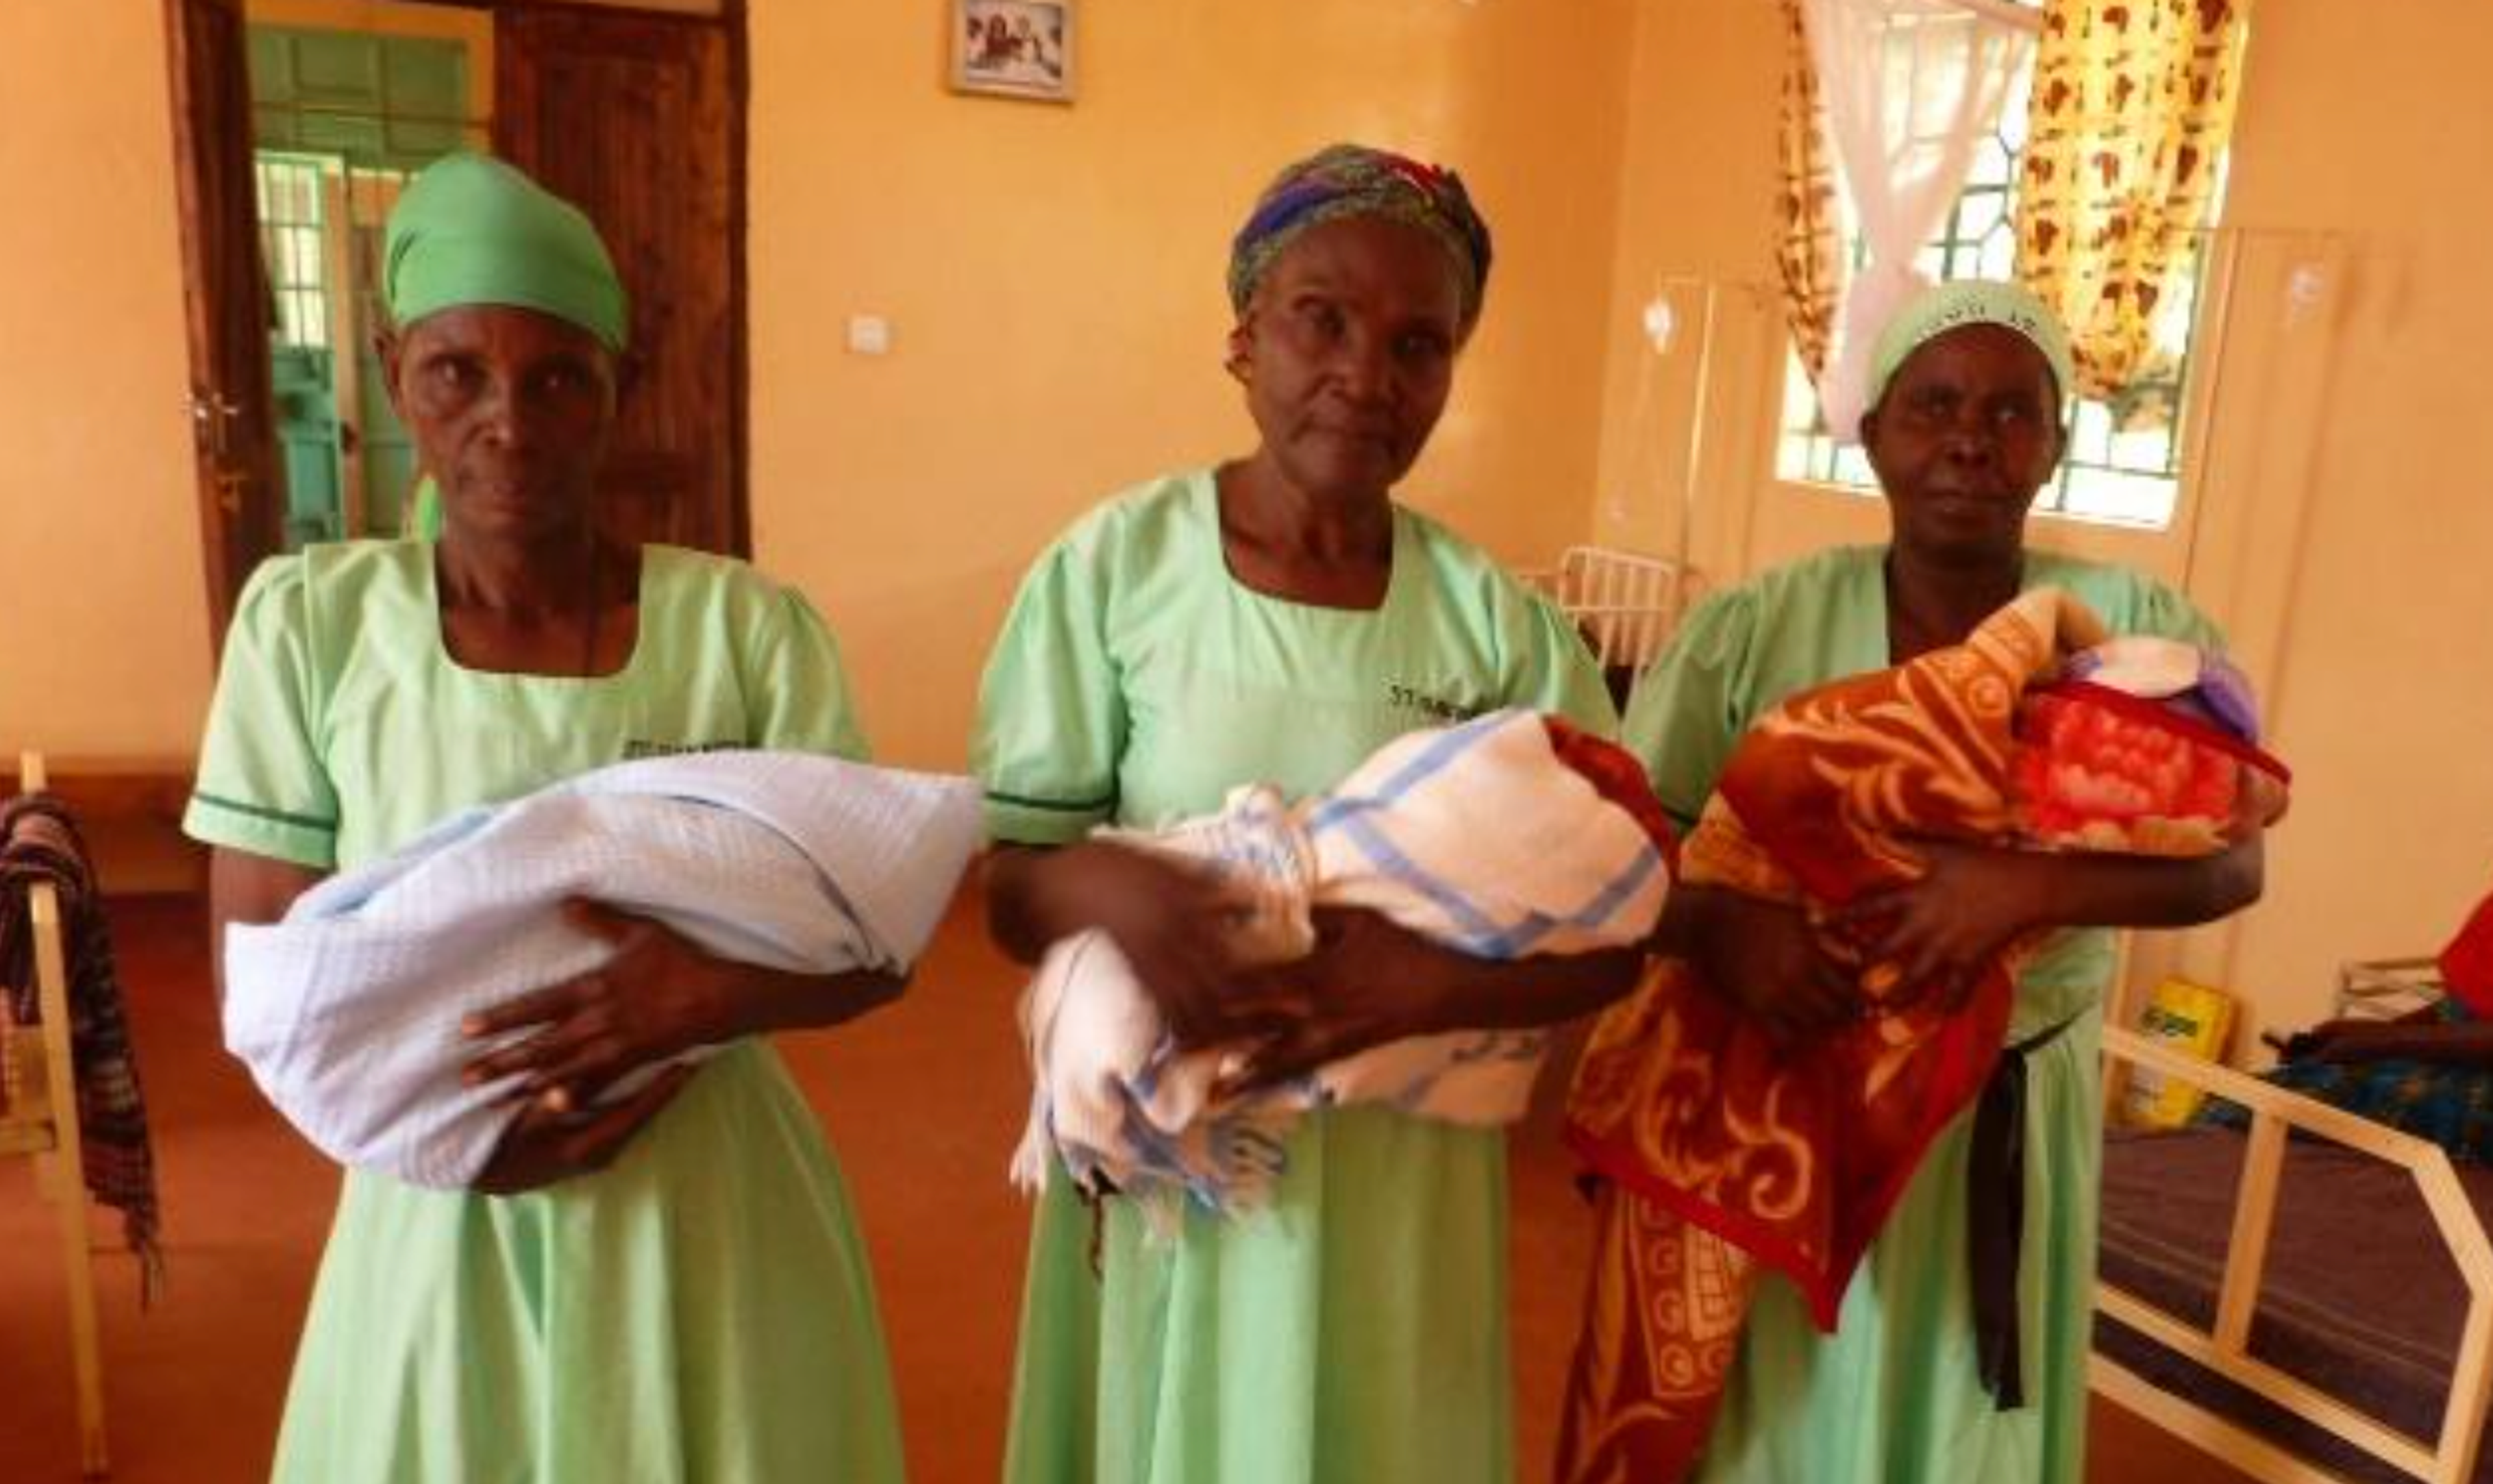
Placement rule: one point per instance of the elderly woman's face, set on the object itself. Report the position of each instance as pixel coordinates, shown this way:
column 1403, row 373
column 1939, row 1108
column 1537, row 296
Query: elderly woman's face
column 510, row 411
column 1348, row 350
column 1967, row 432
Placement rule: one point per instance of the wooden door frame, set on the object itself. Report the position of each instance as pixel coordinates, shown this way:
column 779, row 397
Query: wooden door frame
column 233, row 548
column 726, row 31
column 233, row 423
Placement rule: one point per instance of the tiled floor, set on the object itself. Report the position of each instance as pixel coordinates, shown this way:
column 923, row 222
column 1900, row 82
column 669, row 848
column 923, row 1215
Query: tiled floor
column 194, row 1387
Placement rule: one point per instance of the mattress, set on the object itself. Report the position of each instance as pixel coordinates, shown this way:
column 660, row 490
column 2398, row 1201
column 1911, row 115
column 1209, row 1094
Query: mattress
column 2360, row 1298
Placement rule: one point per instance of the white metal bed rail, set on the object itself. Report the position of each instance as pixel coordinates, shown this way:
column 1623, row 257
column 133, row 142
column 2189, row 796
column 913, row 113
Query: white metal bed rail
column 1626, row 603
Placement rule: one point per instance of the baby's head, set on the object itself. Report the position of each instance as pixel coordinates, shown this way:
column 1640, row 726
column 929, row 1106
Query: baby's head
column 2145, row 746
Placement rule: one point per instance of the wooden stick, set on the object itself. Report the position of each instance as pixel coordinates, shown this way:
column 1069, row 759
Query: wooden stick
column 61, row 1173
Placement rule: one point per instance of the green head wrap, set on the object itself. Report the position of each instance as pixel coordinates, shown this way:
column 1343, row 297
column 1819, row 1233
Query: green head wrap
column 1961, row 301
column 471, row 229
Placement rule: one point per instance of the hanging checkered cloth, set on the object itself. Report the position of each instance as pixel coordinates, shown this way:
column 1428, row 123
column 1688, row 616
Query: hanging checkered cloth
column 38, row 842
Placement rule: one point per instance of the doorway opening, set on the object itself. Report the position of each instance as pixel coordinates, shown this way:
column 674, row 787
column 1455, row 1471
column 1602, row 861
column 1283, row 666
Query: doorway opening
column 340, row 119
column 295, row 123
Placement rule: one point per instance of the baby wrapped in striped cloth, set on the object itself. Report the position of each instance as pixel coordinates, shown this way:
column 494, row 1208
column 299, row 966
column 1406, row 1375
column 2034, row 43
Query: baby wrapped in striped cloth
column 1573, row 865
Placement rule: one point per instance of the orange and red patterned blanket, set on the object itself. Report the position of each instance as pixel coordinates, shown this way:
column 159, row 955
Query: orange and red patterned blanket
column 1722, row 1150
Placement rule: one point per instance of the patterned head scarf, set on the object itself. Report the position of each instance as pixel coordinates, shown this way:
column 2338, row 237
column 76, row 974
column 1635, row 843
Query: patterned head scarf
column 1961, row 301
column 1352, row 180
column 471, row 229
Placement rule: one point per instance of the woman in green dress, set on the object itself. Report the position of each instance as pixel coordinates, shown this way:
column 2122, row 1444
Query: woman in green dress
column 1963, row 431
column 1276, row 618
column 669, row 1287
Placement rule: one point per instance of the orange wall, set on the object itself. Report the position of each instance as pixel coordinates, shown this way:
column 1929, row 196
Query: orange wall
column 1053, row 279
column 2373, row 121
column 1052, row 276
column 2338, row 525
column 104, row 641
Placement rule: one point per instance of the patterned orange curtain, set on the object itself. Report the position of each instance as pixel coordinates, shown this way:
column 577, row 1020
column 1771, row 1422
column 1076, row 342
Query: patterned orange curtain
column 2133, row 104
column 1807, row 254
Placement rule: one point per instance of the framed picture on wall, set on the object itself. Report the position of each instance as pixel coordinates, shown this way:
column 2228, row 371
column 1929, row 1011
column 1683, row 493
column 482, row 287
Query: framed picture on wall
column 1014, row 48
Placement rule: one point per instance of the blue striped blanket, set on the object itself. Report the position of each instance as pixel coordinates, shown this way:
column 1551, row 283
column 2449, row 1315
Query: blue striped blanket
column 1561, row 870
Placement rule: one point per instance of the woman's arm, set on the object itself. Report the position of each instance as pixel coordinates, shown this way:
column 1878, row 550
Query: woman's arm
column 251, row 889
column 657, row 997
column 1171, row 923
column 1764, row 956
column 1370, row 981
column 2462, row 1043
column 1975, row 901
column 1026, row 910
column 542, row 1145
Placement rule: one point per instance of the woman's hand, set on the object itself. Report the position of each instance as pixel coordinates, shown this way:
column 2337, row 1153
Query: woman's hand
column 1943, row 931
column 1367, row 981
column 1370, row 981
column 1172, row 922
column 1765, row 958
column 657, row 997
column 544, row 1146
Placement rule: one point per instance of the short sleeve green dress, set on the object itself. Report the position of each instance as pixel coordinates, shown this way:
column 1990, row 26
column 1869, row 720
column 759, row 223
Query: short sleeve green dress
column 702, row 1309
column 1355, row 1331
column 1894, row 1394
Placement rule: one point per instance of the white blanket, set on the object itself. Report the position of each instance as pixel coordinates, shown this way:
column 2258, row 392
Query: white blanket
column 1477, row 836
column 348, row 1012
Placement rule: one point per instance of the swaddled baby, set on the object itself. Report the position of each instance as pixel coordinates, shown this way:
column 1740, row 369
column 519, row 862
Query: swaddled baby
column 1573, row 864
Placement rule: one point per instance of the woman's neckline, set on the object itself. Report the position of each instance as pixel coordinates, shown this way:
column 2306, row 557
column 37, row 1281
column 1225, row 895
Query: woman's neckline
column 440, row 637
column 1208, row 493
column 1882, row 566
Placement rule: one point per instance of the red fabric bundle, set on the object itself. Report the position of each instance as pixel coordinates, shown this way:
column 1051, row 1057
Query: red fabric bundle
column 2467, row 964
column 1723, row 1150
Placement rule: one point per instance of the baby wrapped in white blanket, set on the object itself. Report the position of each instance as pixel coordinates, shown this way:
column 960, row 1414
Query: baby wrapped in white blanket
column 1478, row 836
column 347, row 1011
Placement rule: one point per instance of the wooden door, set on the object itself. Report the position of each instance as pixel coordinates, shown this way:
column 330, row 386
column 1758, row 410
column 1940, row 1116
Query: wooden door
column 241, row 492
column 635, row 117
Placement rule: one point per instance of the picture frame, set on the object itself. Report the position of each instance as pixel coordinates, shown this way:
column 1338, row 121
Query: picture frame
column 1013, row 49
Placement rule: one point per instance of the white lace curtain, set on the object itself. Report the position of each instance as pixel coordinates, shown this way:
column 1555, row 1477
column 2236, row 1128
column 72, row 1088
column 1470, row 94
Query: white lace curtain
column 1909, row 87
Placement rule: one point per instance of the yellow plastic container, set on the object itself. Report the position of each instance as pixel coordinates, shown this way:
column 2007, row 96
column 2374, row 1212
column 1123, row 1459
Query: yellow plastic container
column 2193, row 1019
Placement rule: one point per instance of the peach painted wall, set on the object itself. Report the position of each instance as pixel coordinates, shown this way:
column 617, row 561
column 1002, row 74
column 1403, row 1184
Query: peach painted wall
column 1052, row 277
column 104, row 645
column 2338, row 522
column 2372, row 122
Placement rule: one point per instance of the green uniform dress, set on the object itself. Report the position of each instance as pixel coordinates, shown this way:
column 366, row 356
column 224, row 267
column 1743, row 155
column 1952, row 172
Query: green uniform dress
column 1355, row 1331
column 1893, row 1396
column 700, row 1310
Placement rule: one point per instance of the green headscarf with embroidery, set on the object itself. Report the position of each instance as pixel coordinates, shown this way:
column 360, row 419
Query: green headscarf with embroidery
column 1961, row 301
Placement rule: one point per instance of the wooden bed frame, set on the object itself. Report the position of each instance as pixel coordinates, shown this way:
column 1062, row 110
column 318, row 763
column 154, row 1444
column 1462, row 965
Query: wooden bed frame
column 2225, row 1348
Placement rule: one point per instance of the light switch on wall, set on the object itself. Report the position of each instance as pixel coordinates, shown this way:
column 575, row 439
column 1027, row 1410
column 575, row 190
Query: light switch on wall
column 869, row 335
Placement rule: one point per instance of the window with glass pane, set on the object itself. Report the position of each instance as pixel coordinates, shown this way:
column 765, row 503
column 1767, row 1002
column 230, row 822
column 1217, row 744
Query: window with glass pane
column 289, row 231
column 2124, row 462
